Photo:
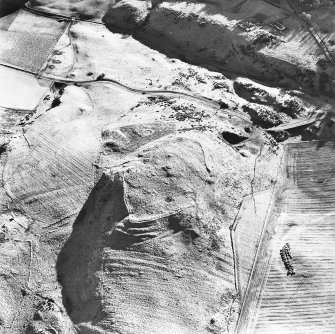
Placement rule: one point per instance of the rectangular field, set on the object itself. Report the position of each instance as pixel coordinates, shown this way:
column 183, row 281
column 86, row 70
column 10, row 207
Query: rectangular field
column 28, row 90
column 28, row 40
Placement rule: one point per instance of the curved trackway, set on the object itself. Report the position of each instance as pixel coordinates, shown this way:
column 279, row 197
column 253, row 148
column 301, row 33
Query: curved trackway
column 204, row 100
column 204, row 63
column 207, row 101
column 202, row 60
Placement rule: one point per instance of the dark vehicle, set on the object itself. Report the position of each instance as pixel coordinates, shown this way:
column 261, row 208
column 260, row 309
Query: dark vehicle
column 285, row 254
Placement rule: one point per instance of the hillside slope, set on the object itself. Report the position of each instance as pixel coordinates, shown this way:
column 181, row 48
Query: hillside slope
column 142, row 144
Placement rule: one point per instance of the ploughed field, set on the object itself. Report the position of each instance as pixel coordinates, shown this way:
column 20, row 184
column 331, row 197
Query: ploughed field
column 304, row 302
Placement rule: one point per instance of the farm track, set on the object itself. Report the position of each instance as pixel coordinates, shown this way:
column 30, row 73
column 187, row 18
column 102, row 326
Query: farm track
column 253, row 211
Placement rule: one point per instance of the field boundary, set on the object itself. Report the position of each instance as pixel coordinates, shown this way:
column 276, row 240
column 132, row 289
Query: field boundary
column 247, row 314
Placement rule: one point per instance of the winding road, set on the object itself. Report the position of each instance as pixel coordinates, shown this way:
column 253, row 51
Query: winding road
column 193, row 97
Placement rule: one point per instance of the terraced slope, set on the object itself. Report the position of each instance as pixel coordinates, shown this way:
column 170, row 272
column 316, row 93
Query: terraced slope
column 138, row 261
column 304, row 302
